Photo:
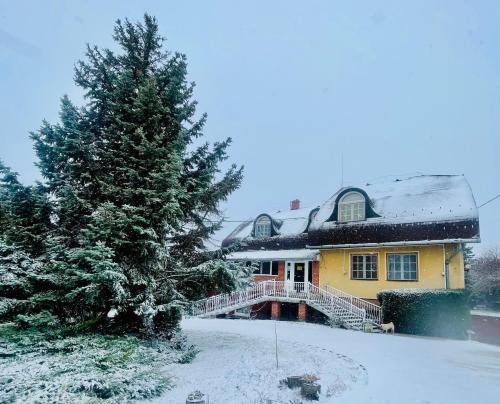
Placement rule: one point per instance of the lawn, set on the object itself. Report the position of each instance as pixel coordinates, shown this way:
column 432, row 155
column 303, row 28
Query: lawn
column 237, row 364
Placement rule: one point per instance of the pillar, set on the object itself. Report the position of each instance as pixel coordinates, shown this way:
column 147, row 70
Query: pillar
column 302, row 312
column 315, row 274
column 281, row 271
column 275, row 310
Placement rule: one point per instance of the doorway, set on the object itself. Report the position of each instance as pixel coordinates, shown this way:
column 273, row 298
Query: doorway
column 297, row 271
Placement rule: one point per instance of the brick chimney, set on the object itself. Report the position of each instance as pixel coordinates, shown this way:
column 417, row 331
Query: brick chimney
column 295, row 204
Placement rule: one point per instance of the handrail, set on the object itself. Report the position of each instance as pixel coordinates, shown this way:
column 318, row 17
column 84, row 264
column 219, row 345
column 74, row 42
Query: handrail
column 334, row 301
column 373, row 311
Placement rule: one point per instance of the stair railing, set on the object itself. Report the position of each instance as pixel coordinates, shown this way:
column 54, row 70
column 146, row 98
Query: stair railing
column 327, row 296
column 373, row 312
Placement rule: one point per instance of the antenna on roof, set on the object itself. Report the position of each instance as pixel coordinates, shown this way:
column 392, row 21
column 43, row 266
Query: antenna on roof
column 341, row 169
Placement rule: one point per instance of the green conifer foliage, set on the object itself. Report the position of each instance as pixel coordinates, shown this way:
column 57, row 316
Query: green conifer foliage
column 24, row 212
column 133, row 191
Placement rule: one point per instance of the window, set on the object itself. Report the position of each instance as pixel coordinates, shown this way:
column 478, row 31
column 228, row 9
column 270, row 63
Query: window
column 263, row 227
column 352, row 207
column 364, row 266
column 266, row 268
column 274, row 268
column 402, row 267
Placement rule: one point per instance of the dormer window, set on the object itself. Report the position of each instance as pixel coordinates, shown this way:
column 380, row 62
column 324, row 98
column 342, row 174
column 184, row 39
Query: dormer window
column 352, row 207
column 263, row 227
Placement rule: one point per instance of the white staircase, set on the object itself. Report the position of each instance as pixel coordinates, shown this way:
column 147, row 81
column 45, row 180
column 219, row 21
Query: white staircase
column 350, row 311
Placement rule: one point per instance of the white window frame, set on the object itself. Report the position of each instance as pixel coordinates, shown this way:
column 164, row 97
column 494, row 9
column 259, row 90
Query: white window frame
column 259, row 264
column 401, row 270
column 352, row 210
column 259, row 227
column 365, row 269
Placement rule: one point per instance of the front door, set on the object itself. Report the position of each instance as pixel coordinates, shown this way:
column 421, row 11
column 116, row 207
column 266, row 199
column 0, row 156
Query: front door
column 299, row 272
column 296, row 271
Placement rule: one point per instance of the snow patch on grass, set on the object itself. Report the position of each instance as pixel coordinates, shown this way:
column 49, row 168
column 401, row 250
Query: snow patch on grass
column 236, row 364
column 234, row 368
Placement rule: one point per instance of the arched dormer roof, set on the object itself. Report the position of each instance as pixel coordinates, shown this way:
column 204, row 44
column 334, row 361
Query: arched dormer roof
column 284, row 223
column 264, row 220
column 345, row 193
column 312, row 215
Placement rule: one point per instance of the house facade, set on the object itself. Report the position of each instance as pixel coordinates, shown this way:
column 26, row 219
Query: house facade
column 407, row 233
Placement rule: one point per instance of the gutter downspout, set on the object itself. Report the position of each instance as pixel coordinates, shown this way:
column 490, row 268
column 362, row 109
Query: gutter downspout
column 447, row 263
column 445, row 268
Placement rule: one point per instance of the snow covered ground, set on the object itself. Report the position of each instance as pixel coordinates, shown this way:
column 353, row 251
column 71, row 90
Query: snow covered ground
column 237, row 365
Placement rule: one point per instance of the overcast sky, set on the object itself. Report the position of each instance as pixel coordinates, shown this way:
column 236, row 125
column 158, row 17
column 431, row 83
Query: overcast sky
column 398, row 88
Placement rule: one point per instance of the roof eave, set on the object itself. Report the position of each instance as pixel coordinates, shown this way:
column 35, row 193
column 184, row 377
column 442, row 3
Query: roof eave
column 395, row 243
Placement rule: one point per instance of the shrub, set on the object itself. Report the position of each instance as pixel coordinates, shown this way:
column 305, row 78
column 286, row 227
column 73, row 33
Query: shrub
column 433, row 312
column 41, row 320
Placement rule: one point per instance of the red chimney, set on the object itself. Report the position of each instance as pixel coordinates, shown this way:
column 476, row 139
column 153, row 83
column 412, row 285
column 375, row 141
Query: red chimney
column 295, row 204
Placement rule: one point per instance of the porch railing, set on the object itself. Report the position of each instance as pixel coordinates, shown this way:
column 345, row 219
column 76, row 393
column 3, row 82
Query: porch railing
column 332, row 302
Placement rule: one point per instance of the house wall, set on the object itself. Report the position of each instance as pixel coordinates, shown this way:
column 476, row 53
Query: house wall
column 279, row 277
column 335, row 269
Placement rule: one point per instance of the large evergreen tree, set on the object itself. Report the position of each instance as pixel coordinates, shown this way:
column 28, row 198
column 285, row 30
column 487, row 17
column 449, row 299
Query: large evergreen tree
column 133, row 192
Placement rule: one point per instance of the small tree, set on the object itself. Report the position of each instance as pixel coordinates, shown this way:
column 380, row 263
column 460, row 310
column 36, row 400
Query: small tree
column 484, row 279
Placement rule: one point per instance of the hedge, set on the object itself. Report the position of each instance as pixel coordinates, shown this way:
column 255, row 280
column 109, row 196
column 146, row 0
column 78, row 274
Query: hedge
column 432, row 312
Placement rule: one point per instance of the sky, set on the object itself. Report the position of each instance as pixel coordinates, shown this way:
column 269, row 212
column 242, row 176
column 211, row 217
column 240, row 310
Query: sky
column 390, row 88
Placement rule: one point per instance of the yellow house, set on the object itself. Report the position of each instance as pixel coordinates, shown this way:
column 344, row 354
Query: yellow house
column 407, row 233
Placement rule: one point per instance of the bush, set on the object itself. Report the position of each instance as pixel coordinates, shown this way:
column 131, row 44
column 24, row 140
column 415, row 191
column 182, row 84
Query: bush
column 38, row 367
column 433, row 312
column 41, row 320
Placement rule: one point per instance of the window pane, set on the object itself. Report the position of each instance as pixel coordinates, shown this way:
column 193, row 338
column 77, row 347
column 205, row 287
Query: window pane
column 352, row 197
column 364, row 266
column 402, row 266
column 275, row 268
column 263, row 227
column 266, row 267
column 351, row 207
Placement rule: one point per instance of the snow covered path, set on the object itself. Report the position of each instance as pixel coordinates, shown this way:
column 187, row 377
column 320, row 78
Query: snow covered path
column 237, row 365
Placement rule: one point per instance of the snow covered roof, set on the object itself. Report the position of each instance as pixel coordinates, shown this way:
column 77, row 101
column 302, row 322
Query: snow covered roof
column 285, row 223
column 306, row 254
column 426, row 207
column 424, row 198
